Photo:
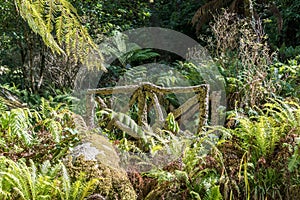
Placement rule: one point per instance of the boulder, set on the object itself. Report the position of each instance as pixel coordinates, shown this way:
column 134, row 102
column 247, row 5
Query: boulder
column 97, row 147
column 97, row 158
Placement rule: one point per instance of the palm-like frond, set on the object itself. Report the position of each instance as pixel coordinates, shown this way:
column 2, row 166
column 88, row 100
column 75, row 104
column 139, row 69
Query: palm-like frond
column 128, row 125
column 32, row 13
column 58, row 23
column 213, row 194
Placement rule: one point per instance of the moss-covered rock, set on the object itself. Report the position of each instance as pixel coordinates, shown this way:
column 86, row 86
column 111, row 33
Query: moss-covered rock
column 97, row 147
column 96, row 157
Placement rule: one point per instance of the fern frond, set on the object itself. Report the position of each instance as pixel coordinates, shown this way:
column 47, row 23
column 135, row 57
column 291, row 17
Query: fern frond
column 31, row 177
column 58, row 24
column 140, row 55
column 17, row 124
column 285, row 113
column 213, row 194
column 65, row 181
column 88, row 188
column 3, row 107
column 54, row 127
column 31, row 12
column 259, row 133
column 18, row 181
column 294, row 160
column 75, row 187
column 17, row 176
column 59, row 29
column 128, row 125
column 50, row 16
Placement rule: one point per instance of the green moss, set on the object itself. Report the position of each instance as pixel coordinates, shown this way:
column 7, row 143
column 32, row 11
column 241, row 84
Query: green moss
column 113, row 183
column 103, row 165
column 107, row 155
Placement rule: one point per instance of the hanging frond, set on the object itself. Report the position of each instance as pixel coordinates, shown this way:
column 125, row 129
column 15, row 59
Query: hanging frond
column 58, row 23
column 204, row 13
column 128, row 125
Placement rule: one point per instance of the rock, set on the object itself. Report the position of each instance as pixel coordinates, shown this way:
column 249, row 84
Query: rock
column 96, row 147
column 97, row 158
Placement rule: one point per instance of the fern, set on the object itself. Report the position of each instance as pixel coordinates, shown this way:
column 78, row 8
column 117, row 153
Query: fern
column 294, row 160
column 21, row 179
column 22, row 130
column 139, row 55
column 130, row 126
column 213, row 193
column 124, row 51
column 285, row 113
column 16, row 123
column 3, row 107
column 53, row 119
column 66, row 185
column 258, row 133
column 46, row 17
column 84, row 190
column 47, row 182
column 54, row 127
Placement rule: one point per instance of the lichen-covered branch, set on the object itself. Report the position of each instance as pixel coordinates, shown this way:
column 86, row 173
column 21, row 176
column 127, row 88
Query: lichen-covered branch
column 184, row 107
column 157, row 107
column 147, row 87
column 114, row 90
column 203, row 108
column 142, row 108
column 90, row 107
column 101, row 102
column 140, row 93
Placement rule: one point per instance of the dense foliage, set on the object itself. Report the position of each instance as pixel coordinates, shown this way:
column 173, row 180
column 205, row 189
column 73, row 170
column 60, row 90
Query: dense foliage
column 255, row 46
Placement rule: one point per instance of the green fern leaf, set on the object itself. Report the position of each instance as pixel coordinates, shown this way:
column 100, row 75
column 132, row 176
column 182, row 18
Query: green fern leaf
column 213, row 194
column 43, row 16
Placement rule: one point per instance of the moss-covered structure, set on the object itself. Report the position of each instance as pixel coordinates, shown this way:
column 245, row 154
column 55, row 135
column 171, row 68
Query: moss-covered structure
column 96, row 158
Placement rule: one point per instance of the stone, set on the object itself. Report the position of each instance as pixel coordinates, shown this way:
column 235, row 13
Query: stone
column 97, row 147
column 96, row 157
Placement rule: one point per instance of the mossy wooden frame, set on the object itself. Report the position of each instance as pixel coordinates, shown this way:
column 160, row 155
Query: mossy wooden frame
column 145, row 89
